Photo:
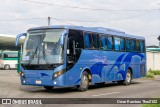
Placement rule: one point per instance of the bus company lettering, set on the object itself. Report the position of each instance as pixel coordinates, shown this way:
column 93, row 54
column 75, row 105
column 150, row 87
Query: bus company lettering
column 129, row 101
column 100, row 58
column 15, row 101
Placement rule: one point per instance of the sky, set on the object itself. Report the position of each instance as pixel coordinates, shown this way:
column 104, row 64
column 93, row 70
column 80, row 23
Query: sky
column 136, row 17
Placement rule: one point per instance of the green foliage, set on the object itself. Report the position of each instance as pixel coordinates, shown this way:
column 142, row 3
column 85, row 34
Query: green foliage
column 149, row 75
column 151, row 105
column 155, row 72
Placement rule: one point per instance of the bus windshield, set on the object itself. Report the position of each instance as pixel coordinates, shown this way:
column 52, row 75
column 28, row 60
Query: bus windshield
column 43, row 47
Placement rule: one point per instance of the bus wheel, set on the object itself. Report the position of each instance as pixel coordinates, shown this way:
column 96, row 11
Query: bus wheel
column 48, row 87
column 7, row 67
column 84, row 82
column 128, row 79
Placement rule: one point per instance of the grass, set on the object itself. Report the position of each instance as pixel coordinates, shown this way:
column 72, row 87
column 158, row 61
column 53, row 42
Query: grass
column 152, row 73
column 155, row 72
column 151, row 105
column 149, row 75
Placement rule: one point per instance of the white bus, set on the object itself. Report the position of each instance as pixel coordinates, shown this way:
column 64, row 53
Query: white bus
column 8, row 59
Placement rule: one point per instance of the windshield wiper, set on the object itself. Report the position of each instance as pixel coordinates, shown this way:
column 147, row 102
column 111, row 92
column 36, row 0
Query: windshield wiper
column 44, row 55
column 32, row 55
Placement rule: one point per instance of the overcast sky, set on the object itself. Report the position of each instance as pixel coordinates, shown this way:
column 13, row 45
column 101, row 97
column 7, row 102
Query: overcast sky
column 137, row 17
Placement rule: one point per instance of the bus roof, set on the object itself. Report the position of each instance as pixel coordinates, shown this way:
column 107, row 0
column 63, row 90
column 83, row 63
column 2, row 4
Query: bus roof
column 101, row 30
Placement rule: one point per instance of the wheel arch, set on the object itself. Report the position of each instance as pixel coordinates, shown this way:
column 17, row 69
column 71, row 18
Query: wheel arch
column 89, row 73
column 130, row 71
column 7, row 65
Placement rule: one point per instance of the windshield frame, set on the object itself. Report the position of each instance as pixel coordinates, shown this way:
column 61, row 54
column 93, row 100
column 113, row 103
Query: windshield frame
column 41, row 46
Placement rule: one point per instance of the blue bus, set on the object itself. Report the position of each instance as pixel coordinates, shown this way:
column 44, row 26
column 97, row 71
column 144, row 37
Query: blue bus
column 66, row 56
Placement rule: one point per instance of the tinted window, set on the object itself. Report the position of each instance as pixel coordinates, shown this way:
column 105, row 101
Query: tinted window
column 10, row 55
column 87, row 40
column 110, row 42
column 103, row 42
column 133, row 45
column 142, row 46
column 95, row 41
column 119, row 44
column 79, row 39
column 128, row 45
column 137, row 46
column 122, row 48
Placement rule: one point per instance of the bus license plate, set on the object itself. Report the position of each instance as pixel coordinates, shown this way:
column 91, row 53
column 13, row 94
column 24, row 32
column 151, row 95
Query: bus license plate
column 38, row 82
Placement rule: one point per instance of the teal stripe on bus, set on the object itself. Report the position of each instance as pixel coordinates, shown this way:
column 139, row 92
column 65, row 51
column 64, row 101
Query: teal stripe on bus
column 10, row 58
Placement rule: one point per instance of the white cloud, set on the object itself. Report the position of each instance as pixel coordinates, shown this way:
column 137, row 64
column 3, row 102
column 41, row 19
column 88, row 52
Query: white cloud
column 147, row 24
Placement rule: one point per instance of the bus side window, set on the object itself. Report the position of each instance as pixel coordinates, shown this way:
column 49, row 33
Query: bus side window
column 87, row 40
column 137, row 46
column 128, row 45
column 133, row 45
column 79, row 42
column 103, row 42
column 95, row 41
column 117, row 43
column 141, row 46
column 5, row 55
column 122, row 47
column 110, row 42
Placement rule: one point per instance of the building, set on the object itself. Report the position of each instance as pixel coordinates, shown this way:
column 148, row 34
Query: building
column 7, row 42
column 153, row 58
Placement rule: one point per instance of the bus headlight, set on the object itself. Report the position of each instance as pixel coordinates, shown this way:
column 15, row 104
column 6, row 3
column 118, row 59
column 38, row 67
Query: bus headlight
column 57, row 74
column 22, row 74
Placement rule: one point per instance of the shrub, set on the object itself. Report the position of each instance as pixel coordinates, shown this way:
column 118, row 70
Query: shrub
column 149, row 75
column 155, row 72
column 151, row 105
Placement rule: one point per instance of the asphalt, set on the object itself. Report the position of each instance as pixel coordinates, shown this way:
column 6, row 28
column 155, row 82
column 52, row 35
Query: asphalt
column 10, row 87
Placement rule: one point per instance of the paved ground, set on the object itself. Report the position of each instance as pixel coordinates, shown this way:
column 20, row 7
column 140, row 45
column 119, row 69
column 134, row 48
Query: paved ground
column 140, row 88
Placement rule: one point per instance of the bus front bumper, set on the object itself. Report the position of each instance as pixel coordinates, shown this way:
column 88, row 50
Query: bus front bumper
column 45, row 80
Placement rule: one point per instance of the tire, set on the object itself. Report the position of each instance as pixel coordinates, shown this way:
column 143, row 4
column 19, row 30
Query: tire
column 84, row 82
column 48, row 87
column 7, row 67
column 128, row 79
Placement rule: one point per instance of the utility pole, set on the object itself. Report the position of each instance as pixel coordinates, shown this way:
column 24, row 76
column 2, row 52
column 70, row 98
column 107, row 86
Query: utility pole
column 49, row 21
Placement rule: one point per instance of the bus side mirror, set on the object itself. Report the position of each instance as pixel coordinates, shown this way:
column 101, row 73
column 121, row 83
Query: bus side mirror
column 62, row 37
column 62, row 40
column 19, row 36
